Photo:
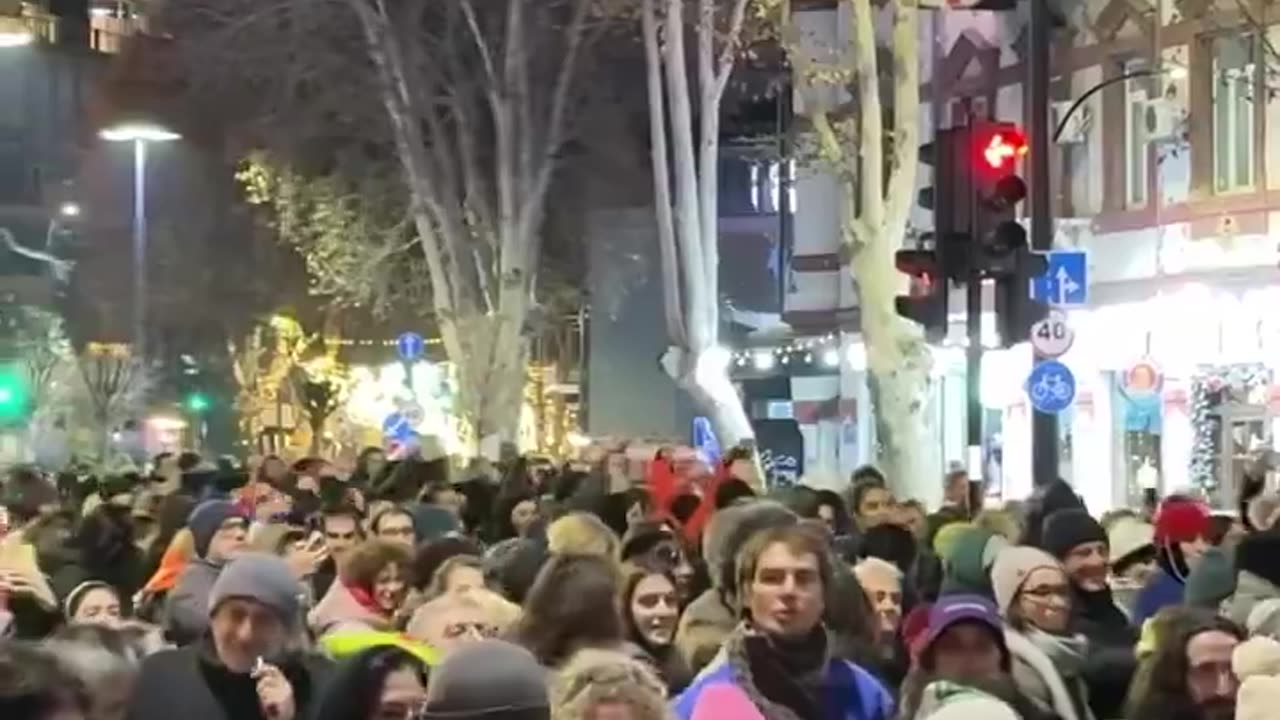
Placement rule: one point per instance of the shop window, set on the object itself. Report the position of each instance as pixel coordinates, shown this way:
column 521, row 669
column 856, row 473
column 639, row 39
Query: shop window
column 1235, row 71
column 1137, row 92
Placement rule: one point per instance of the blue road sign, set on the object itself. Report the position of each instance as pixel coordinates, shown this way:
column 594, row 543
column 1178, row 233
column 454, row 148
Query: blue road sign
column 1065, row 280
column 396, row 426
column 409, row 346
column 704, row 439
column 1051, row 387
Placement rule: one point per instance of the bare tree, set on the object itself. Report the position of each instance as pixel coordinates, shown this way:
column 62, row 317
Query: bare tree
column 875, row 168
column 114, row 384
column 685, row 164
column 475, row 100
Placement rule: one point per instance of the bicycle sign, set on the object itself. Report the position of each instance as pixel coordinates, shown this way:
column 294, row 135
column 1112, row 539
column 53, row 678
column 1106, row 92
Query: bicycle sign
column 1051, row 387
column 1052, row 337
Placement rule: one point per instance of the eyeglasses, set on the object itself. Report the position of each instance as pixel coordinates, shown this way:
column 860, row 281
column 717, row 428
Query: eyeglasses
column 1048, row 592
column 474, row 629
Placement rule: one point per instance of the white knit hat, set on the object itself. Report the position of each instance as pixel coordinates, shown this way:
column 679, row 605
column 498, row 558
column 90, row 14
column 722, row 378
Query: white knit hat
column 1129, row 535
column 1012, row 567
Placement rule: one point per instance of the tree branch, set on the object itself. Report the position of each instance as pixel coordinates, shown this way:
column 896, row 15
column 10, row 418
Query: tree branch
column 671, row 272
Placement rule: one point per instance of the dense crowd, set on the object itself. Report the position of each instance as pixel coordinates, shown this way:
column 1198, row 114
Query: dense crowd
column 406, row 589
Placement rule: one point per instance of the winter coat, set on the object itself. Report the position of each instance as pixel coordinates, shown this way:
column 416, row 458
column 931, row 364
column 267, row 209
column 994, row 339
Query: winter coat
column 1211, row 581
column 339, row 611
column 186, row 613
column 1251, row 590
column 192, row 683
column 1110, row 662
column 943, row 700
column 702, row 628
column 1039, row 680
column 1161, row 591
column 848, row 692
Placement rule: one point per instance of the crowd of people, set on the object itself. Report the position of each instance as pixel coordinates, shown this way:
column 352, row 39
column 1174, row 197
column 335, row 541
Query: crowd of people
column 402, row 591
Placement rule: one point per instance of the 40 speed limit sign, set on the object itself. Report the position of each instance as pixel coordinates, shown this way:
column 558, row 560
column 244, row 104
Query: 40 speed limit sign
column 1052, row 336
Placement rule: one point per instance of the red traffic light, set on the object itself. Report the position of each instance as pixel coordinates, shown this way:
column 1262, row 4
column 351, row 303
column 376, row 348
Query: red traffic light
column 1003, row 148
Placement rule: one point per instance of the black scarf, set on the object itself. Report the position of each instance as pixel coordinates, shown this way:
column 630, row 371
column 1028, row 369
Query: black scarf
column 785, row 678
column 237, row 693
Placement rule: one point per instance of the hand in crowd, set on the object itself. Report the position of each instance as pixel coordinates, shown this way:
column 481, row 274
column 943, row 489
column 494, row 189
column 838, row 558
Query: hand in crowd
column 275, row 693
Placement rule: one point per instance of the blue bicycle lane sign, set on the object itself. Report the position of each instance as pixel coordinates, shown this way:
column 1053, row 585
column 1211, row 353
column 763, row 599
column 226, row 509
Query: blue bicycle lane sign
column 1051, row 387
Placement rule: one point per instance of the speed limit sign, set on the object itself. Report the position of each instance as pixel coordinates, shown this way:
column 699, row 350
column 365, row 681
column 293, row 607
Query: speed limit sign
column 1051, row 337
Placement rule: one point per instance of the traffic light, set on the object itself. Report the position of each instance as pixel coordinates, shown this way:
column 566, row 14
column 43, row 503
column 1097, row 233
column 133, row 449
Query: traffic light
column 943, row 254
column 198, row 402
column 1002, row 252
column 14, row 396
column 926, row 302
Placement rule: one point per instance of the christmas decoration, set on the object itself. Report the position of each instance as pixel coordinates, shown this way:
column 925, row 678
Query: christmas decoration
column 1211, row 388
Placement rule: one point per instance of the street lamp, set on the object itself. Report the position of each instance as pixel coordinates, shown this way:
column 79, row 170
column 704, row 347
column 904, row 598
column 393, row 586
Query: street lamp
column 140, row 134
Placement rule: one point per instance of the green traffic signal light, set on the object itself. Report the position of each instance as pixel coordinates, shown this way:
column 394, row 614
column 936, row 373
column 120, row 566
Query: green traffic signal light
column 13, row 395
column 198, row 402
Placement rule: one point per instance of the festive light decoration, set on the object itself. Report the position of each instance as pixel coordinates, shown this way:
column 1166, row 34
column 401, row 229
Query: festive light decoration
column 1211, row 388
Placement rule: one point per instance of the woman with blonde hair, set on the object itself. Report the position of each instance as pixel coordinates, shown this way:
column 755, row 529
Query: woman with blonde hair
column 604, row 683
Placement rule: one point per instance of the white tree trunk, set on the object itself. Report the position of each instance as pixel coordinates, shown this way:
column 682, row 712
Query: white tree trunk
column 873, row 222
column 685, row 187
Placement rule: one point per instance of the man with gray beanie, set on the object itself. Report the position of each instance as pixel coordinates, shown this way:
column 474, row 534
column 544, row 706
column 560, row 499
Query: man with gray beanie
column 241, row 668
column 219, row 530
column 488, row 680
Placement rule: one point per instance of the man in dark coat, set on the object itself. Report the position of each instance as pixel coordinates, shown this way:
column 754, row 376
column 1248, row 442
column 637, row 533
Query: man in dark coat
column 241, row 669
column 1080, row 543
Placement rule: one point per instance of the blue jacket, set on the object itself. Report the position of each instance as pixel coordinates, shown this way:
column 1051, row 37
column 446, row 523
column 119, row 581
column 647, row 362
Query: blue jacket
column 1161, row 591
column 851, row 692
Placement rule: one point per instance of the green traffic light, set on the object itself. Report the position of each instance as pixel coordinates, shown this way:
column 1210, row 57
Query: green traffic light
column 198, row 402
column 13, row 395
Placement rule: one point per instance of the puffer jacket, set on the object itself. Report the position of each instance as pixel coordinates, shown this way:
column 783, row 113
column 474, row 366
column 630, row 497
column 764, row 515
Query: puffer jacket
column 1251, row 591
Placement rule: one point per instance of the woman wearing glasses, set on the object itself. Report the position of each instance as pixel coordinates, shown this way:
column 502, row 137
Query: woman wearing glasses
column 1034, row 597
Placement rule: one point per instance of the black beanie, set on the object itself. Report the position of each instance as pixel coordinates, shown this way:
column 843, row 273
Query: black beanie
column 1257, row 554
column 1066, row 529
column 891, row 543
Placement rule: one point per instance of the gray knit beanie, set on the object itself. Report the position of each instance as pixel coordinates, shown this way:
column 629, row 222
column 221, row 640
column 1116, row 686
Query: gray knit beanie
column 488, row 680
column 265, row 579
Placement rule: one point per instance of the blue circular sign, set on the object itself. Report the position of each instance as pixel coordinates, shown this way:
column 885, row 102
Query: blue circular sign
column 410, row 346
column 396, row 426
column 1051, row 387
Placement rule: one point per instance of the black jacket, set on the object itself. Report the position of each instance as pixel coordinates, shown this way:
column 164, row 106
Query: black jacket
column 191, row 684
column 1111, row 662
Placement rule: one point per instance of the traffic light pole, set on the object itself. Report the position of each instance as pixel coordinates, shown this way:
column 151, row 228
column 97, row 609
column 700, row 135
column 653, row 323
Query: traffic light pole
column 973, row 375
column 1044, row 426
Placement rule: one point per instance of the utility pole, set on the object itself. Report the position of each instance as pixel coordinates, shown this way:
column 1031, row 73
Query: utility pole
column 1044, row 426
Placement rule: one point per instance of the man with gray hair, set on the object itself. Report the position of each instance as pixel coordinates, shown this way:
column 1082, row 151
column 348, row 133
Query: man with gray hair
column 241, row 668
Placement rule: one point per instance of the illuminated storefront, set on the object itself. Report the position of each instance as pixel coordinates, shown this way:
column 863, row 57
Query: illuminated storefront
column 1164, row 384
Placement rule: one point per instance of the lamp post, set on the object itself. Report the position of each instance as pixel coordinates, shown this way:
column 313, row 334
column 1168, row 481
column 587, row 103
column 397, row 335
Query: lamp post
column 140, row 134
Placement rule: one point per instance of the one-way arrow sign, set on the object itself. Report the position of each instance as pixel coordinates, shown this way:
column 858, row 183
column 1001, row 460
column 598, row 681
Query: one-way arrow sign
column 1065, row 280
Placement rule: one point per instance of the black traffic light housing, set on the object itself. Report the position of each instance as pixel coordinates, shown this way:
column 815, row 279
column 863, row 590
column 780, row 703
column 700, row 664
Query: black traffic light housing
column 926, row 303
column 944, row 253
column 1002, row 252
